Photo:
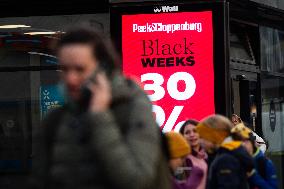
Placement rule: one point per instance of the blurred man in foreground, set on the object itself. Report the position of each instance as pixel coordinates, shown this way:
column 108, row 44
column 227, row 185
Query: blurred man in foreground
column 105, row 136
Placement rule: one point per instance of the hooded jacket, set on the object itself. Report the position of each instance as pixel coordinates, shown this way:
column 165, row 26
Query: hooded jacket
column 230, row 167
column 269, row 179
column 119, row 148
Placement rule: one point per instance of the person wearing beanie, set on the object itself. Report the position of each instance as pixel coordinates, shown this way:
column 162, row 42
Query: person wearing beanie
column 198, row 157
column 260, row 143
column 265, row 175
column 178, row 149
column 211, row 138
column 232, row 164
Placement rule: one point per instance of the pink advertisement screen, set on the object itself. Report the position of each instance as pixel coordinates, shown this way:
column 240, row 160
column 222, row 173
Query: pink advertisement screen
column 171, row 56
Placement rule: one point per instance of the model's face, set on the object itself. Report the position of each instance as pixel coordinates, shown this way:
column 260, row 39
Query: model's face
column 78, row 63
column 191, row 135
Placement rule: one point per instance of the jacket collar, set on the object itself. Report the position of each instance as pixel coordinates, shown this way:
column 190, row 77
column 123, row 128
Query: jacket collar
column 258, row 153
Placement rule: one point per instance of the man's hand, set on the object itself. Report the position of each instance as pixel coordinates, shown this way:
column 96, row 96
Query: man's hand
column 101, row 90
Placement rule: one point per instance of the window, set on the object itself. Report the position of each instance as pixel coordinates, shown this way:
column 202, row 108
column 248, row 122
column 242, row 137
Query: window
column 272, row 92
column 29, row 75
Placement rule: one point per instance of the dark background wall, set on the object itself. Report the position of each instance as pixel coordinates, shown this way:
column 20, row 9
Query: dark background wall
column 12, row 8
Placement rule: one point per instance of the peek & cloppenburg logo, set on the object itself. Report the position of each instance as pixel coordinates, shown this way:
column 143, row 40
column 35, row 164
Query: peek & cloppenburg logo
column 169, row 28
column 165, row 9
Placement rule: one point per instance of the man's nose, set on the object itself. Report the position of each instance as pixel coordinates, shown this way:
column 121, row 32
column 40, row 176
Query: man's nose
column 71, row 78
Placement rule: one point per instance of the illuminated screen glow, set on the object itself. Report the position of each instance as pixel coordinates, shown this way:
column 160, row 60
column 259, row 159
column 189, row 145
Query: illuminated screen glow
column 171, row 56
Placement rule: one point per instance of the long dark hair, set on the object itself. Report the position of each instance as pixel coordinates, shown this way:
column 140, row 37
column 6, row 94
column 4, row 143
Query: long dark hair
column 182, row 128
column 102, row 48
column 187, row 122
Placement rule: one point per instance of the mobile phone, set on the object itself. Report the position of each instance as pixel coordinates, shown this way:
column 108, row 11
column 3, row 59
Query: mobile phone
column 86, row 93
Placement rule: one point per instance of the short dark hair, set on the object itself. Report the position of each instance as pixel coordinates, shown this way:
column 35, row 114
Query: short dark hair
column 187, row 122
column 104, row 52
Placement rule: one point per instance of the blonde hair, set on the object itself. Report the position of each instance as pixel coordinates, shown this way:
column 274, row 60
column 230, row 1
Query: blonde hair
column 218, row 122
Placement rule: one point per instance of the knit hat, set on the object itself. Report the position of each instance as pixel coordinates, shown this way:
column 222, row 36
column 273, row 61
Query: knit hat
column 242, row 131
column 214, row 128
column 177, row 144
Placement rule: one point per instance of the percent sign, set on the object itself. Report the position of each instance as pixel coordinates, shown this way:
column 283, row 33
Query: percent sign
column 172, row 89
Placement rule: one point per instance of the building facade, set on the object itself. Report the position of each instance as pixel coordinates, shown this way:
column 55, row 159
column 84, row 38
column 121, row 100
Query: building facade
column 252, row 87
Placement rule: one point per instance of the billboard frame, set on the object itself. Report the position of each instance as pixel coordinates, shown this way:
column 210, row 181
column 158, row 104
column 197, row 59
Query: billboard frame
column 221, row 58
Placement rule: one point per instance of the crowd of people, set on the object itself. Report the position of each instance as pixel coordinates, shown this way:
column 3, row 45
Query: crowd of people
column 105, row 136
column 219, row 155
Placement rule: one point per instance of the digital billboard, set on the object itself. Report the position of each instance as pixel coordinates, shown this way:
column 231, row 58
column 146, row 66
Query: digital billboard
column 171, row 55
